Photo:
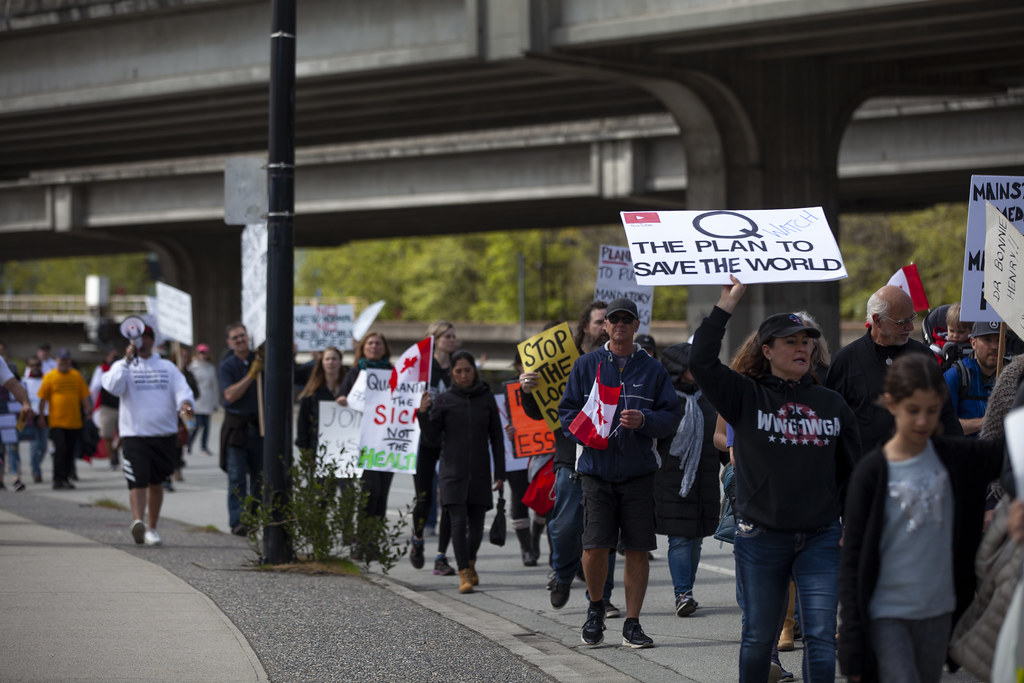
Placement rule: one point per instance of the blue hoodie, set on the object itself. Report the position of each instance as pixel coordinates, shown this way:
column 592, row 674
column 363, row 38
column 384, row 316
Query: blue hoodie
column 647, row 387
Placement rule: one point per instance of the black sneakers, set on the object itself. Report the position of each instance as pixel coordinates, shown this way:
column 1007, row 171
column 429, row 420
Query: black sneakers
column 593, row 628
column 685, row 605
column 633, row 636
column 416, row 553
column 559, row 594
column 610, row 610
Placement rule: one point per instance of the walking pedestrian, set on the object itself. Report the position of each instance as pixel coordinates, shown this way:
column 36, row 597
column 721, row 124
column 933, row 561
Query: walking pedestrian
column 65, row 397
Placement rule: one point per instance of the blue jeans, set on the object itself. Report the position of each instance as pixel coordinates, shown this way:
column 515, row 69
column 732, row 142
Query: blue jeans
column 565, row 531
column 765, row 559
column 202, row 423
column 245, row 473
column 683, row 558
column 39, row 438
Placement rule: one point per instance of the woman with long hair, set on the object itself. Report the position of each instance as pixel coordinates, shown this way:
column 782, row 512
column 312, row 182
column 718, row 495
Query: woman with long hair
column 465, row 419
column 428, row 453
column 324, row 385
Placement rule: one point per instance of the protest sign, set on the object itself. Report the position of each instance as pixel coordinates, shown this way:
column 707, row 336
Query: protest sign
column 1003, row 246
column 365, row 319
column 705, row 247
column 1006, row 193
column 254, row 282
column 615, row 279
column 391, row 430
column 174, row 313
column 356, row 398
column 550, row 354
column 532, row 437
column 339, row 428
column 317, row 327
column 512, row 463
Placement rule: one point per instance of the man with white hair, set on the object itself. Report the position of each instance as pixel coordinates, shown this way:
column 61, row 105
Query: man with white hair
column 858, row 369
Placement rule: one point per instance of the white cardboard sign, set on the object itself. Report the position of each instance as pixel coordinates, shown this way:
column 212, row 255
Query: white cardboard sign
column 338, row 437
column 254, row 282
column 1006, row 193
column 705, row 247
column 317, row 327
column 615, row 280
column 1004, row 252
column 174, row 313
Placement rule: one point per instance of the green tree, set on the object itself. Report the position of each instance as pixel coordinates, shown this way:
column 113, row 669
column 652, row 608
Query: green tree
column 127, row 273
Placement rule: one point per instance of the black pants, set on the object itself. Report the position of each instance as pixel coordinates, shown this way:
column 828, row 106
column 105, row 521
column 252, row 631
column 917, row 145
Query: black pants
column 377, row 485
column 64, row 443
column 426, row 466
column 466, row 518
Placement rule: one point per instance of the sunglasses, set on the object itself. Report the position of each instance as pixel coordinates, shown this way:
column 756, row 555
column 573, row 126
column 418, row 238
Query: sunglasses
column 616, row 319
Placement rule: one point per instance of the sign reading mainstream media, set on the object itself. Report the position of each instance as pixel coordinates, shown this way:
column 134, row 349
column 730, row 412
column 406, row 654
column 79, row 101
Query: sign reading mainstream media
column 615, row 279
column 1004, row 251
column 705, row 247
column 550, row 354
column 1006, row 194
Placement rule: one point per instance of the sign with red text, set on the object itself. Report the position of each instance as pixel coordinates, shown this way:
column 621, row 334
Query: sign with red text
column 391, row 429
column 530, row 437
column 550, row 354
column 317, row 327
column 615, row 280
column 706, row 247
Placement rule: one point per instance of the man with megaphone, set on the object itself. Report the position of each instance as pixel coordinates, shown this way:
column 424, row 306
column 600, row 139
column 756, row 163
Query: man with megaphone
column 153, row 393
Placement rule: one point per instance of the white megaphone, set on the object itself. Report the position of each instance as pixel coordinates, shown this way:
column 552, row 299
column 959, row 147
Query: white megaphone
column 132, row 328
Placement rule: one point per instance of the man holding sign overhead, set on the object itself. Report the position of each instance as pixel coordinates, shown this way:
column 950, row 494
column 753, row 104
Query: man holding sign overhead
column 617, row 401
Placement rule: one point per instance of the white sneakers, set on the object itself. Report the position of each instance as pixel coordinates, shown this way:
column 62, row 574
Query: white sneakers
column 143, row 535
column 138, row 530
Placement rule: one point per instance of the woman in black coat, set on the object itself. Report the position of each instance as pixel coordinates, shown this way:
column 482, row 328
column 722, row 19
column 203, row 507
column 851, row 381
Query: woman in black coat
column 686, row 513
column 465, row 419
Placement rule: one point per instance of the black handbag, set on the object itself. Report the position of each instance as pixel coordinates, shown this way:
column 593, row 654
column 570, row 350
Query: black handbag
column 498, row 525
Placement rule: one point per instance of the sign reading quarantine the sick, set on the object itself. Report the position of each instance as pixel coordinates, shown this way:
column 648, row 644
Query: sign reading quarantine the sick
column 550, row 354
column 1006, row 194
column 615, row 280
column 706, row 247
column 1004, row 252
column 317, row 327
column 391, row 429
column 339, row 428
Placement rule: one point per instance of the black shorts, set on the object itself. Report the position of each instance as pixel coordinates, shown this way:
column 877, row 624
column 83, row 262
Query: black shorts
column 149, row 460
column 614, row 510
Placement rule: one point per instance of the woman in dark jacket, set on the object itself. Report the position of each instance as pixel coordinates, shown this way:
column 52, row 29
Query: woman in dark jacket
column 324, row 384
column 686, row 495
column 465, row 421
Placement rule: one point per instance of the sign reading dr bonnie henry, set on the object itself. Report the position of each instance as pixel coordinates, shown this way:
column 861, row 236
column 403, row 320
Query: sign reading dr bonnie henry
column 705, row 247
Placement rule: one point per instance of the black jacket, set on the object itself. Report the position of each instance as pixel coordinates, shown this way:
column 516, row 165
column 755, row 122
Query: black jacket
column 465, row 422
column 696, row 515
column 307, row 424
column 858, row 374
column 795, row 442
column 971, row 464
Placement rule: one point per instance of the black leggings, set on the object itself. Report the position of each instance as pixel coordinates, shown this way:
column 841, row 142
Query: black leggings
column 423, row 480
column 465, row 517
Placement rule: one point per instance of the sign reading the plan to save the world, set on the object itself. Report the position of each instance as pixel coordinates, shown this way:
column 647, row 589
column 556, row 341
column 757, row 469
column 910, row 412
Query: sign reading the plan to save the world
column 705, row 247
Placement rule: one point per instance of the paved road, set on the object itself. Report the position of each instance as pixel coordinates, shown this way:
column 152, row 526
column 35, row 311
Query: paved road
column 410, row 625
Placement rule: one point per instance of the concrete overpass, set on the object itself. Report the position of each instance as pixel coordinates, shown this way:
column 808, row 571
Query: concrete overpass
column 115, row 117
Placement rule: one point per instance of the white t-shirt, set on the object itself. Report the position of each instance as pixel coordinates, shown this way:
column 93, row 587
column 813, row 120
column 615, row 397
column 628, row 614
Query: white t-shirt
column 5, row 371
column 151, row 392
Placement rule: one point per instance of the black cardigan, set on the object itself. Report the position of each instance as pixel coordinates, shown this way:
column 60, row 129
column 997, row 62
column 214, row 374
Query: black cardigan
column 971, row 464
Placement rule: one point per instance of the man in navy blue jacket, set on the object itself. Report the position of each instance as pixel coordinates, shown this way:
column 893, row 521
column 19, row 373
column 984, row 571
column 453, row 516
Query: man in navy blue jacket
column 618, row 480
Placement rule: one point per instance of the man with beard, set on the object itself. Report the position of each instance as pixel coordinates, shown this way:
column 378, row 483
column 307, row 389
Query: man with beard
column 971, row 379
column 858, row 369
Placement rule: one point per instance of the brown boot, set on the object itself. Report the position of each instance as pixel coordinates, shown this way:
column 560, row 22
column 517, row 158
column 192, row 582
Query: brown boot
column 473, row 578
column 465, row 582
column 786, row 643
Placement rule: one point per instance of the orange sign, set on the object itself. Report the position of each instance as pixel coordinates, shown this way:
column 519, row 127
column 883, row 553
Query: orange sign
column 531, row 437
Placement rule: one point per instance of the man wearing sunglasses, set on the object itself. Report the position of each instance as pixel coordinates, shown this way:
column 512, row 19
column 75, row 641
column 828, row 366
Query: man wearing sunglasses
column 858, row 369
column 618, row 479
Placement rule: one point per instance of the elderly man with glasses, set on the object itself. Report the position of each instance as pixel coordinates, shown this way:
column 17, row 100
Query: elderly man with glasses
column 858, row 369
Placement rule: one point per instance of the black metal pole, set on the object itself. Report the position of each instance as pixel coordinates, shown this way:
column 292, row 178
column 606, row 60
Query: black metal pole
column 280, row 272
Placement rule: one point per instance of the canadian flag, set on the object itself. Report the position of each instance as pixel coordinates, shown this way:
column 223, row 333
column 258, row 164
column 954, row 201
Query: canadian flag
column 593, row 424
column 414, row 365
column 907, row 279
column 645, row 217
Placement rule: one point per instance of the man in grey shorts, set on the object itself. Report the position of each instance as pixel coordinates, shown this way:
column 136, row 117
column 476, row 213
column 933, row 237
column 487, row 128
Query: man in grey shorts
column 617, row 467
column 153, row 392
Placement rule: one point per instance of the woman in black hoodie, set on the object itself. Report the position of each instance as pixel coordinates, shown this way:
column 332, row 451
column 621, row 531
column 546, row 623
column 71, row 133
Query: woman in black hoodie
column 795, row 445
column 465, row 420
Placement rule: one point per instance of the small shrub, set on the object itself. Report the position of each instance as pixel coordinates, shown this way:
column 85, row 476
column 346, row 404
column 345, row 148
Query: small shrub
column 324, row 517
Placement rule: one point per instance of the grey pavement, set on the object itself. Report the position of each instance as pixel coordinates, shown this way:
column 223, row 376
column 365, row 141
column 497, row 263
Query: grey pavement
column 82, row 601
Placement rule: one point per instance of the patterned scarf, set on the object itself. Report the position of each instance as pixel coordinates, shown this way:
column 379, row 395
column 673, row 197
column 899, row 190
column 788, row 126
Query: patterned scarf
column 686, row 445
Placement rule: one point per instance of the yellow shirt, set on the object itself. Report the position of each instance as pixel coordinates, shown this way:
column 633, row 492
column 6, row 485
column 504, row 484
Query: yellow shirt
column 63, row 393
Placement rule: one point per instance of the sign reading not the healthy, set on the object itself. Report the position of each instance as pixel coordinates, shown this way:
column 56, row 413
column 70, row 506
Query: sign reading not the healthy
column 1004, row 252
column 615, row 279
column 317, row 327
column 550, row 354
column 706, row 247
column 174, row 313
column 338, row 428
column 1006, row 194
column 391, row 430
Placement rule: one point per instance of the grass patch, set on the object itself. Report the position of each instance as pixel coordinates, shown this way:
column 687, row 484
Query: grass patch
column 206, row 529
column 335, row 566
column 110, row 504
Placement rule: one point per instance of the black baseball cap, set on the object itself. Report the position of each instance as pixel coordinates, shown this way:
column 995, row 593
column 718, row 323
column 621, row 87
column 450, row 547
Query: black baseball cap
column 646, row 341
column 982, row 329
column 784, row 325
column 622, row 305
